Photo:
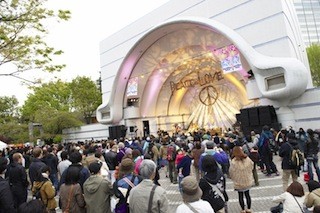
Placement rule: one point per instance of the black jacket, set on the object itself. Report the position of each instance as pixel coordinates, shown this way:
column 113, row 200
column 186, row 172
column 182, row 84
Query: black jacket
column 311, row 148
column 6, row 199
column 111, row 159
column 285, row 152
column 52, row 161
column 35, row 166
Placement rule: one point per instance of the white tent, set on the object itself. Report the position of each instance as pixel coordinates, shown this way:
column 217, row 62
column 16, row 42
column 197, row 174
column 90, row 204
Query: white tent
column 3, row 145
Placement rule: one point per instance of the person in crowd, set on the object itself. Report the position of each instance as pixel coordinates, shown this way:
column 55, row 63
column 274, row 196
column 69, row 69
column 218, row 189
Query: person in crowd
column 213, row 176
column 137, row 159
column 191, row 196
column 251, row 149
column 302, row 137
column 157, row 176
column 285, row 154
column 241, row 174
column 51, row 160
column 126, row 178
column 184, row 166
column 266, row 152
column 97, row 191
column 313, row 197
column 71, row 198
column 121, row 153
column 292, row 199
column 90, row 156
column 47, row 190
column 148, row 197
column 112, row 162
column 36, row 163
column 163, row 153
column 104, row 168
column 33, row 206
column 196, row 153
column 208, row 151
column 6, row 198
column 64, row 163
column 76, row 158
column 17, row 176
column 311, row 153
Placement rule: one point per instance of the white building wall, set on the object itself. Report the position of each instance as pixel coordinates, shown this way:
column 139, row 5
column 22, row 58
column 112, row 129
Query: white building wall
column 87, row 132
column 268, row 25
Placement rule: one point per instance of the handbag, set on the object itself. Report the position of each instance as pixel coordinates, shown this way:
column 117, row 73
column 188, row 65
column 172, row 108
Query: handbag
column 214, row 197
column 67, row 210
column 277, row 209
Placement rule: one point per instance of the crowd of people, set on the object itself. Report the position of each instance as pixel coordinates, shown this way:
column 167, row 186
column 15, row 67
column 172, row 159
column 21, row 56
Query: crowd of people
column 122, row 175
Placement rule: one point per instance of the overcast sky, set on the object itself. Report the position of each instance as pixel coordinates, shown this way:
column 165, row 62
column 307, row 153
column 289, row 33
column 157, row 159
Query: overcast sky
column 91, row 22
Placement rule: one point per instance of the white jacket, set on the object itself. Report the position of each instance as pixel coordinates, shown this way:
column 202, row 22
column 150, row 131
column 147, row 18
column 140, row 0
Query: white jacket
column 290, row 205
column 201, row 206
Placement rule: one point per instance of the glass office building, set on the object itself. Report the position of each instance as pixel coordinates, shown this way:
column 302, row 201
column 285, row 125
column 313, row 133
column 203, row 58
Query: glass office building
column 308, row 12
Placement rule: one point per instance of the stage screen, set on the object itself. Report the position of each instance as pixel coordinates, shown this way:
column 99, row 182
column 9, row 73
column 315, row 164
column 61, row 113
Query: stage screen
column 132, row 89
column 230, row 58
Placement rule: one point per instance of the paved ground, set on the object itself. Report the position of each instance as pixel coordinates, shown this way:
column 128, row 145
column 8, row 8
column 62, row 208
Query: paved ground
column 261, row 195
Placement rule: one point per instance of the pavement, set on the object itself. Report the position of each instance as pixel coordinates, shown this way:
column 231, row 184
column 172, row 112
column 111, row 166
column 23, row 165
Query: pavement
column 261, row 196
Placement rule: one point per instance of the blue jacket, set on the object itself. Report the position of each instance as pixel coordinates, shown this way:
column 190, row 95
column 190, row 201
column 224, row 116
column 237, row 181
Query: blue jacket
column 185, row 164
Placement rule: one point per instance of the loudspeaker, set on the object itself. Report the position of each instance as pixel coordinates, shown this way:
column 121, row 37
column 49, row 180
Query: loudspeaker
column 267, row 115
column 253, row 116
column 116, row 132
column 244, row 117
column 131, row 128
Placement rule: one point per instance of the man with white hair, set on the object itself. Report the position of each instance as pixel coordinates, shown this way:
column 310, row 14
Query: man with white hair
column 148, row 197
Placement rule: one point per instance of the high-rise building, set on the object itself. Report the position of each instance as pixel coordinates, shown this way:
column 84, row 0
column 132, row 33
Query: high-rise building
column 308, row 12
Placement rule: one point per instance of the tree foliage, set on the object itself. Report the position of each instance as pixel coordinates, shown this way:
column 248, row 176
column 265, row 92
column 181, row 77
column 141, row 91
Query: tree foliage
column 22, row 30
column 14, row 132
column 9, row 110
column 54, row 96
column 81, row 96
column 53, row 121
column 314, row 61
column 86, row 96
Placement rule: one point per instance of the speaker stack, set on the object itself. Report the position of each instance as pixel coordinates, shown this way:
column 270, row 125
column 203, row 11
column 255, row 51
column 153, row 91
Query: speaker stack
column 255, row 118
column 116, row 132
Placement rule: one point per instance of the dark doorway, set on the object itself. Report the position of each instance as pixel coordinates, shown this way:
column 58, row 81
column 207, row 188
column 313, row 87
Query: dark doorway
column 146, row 128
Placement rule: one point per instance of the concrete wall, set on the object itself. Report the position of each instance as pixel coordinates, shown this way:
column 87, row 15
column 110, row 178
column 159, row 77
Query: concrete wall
column 87, row 132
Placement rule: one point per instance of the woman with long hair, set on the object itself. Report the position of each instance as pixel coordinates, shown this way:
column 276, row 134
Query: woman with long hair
column 241, row 174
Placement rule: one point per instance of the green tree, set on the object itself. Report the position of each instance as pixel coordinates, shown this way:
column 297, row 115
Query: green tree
column 9, row 110
column 14, row 132
column 86, row 96
column 314, row 61
column 22, row 30
column 55, row 96
column 53, row 121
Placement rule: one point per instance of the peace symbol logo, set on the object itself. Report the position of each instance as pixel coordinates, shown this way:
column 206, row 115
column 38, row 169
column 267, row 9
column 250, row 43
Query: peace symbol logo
column 208, row 95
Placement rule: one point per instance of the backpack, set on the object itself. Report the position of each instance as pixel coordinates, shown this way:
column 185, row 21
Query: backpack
column 171, row 153
column 214, row 197
column 296, row 158
column 123, row 206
